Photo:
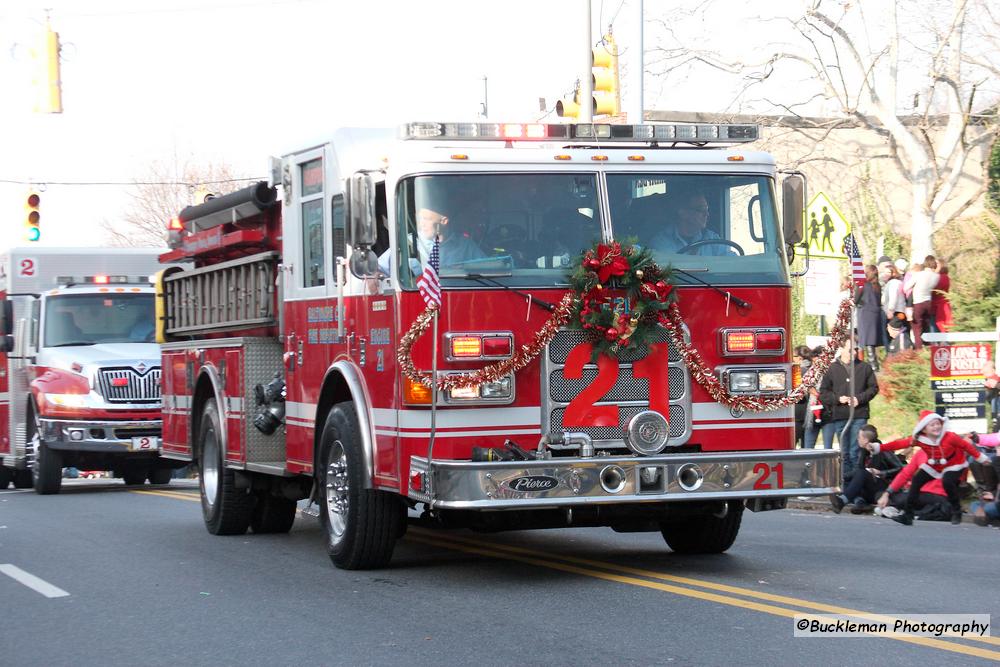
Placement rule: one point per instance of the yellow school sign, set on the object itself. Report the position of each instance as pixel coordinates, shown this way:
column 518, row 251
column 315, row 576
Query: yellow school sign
column 826, row 228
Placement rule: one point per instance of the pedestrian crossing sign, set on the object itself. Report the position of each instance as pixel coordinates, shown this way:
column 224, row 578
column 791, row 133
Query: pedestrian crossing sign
column 825, row 228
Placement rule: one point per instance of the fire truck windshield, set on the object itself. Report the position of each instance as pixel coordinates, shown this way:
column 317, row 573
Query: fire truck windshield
column 687, row 218
column 529, row 229
column 87, row 319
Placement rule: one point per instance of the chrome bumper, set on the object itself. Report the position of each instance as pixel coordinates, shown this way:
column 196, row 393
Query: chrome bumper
column 565, row 482
column 98, row 436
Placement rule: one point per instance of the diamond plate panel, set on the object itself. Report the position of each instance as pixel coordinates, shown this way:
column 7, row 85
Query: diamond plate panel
column 261, row 358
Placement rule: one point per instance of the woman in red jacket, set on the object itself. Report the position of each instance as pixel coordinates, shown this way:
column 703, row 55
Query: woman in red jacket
column 946, row 459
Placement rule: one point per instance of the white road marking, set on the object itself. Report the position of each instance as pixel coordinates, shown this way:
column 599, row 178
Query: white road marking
column 32, row 582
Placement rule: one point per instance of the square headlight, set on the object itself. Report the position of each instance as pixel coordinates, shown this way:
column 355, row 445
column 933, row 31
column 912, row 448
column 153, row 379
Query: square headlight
column 497, row 389
column 742, row 381
column 772, row 380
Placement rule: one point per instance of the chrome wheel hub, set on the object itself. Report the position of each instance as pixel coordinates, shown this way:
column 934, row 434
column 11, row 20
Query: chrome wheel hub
column 337, row 489
column 210, row 468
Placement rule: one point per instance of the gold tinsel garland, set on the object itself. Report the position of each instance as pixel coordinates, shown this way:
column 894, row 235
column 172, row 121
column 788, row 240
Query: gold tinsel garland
column 489, row 373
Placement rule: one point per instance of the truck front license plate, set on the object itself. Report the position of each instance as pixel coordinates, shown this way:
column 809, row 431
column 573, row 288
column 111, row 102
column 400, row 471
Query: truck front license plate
column 145, row 444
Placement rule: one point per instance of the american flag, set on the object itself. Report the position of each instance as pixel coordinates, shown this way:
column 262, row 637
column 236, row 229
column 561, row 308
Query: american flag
column 854, row 254
column 428, row 283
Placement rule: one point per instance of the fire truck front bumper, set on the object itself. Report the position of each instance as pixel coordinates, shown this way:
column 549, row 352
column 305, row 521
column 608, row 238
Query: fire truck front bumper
column 105, row 436
column 564, row 482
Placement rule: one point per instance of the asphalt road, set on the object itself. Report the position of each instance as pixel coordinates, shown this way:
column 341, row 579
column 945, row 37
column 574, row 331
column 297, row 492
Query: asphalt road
column 107, row 575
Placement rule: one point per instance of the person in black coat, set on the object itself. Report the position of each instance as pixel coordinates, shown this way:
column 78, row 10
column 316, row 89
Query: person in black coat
column 837, row 396
column 871, row 478
column 871, row 318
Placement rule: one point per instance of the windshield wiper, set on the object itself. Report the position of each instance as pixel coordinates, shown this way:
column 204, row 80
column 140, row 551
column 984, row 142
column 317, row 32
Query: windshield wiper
column 75, row 342
column 740, row 303
column 489, row 280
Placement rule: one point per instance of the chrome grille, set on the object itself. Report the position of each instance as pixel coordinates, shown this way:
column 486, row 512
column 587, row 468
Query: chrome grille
column 629, row 393
column 627, row 388
column 141, row 387
column 677, row 422
column 567, row 339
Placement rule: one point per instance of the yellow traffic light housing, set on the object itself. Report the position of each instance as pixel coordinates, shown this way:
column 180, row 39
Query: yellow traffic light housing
column 604, row 72
column 607, row 95
column 33, row 216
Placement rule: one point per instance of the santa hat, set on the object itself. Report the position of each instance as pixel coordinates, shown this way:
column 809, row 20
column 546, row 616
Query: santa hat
column 926, row 417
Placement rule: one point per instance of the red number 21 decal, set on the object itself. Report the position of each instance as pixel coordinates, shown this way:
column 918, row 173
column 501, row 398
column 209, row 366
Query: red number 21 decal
column 763, row 473
column 581, row 411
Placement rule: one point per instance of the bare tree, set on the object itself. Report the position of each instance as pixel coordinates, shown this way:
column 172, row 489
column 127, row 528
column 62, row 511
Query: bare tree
column 161, row 194
column 862, row 63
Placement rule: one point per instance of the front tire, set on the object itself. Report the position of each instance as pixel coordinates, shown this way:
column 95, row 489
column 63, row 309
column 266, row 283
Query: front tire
column 226, row 509
column 710, row 534
column 46, row 473
column 6, row 477
column 160, row 476
column 134, row 477
column 361, row 525
column 23, row 479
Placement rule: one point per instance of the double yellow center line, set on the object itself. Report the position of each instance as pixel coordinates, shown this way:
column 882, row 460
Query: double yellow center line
column 724, row 594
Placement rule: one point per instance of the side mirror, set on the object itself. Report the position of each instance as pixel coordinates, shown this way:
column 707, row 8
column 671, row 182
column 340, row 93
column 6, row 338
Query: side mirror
column 6, row 317
column 6, row 343
column 361, row 232
column 364, row 263
column 793, row 204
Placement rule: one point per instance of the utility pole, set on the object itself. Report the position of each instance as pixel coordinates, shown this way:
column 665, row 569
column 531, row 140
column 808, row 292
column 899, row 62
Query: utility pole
column 635, row 109
column 587, row 73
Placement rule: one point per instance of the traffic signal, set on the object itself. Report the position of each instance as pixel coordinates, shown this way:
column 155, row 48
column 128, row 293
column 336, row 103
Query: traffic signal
column 607, row 96
column 32, row 215
column 604, row 72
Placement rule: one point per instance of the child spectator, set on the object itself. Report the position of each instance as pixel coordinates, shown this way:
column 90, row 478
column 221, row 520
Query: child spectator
column 871, row 478
column 946, row 460
column 931, row 504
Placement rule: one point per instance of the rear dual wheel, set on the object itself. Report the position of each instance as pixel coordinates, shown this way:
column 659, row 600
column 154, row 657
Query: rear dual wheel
column 226, row 509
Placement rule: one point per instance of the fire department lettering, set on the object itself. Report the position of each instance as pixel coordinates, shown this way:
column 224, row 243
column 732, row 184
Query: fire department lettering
column 321, row 314
column 533, row 483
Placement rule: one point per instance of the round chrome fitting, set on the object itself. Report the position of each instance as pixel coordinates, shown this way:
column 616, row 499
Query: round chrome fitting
column 690, row 477
column 612, row 479
column 647, row 433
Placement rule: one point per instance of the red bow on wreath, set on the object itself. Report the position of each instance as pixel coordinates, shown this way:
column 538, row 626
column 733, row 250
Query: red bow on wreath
column 609, row 261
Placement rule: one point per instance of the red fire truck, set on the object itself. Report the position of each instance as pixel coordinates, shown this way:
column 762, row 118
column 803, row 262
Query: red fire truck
column 283, row 377
column 79, row 366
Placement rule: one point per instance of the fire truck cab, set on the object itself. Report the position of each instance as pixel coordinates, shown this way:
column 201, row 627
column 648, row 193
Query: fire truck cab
column 79, row 366
column 284, row 347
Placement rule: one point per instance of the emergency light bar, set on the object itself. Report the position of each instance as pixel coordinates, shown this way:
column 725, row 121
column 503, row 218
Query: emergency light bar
column 101, row 280
column 700, row 134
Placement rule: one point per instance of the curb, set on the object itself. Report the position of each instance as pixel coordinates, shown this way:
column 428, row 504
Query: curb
column 823, row 505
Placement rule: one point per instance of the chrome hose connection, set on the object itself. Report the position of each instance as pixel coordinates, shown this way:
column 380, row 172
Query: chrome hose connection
column 566, row 440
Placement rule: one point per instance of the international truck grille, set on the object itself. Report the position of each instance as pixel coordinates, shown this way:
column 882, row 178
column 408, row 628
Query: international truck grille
column 629, row 393
column 140, row 387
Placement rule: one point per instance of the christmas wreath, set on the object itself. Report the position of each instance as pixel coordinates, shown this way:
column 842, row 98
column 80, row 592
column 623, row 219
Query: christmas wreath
column 621, row 294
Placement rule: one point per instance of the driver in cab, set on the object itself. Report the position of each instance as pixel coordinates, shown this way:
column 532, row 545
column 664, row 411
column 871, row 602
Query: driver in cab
column 456, row 247
column 689, row 226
